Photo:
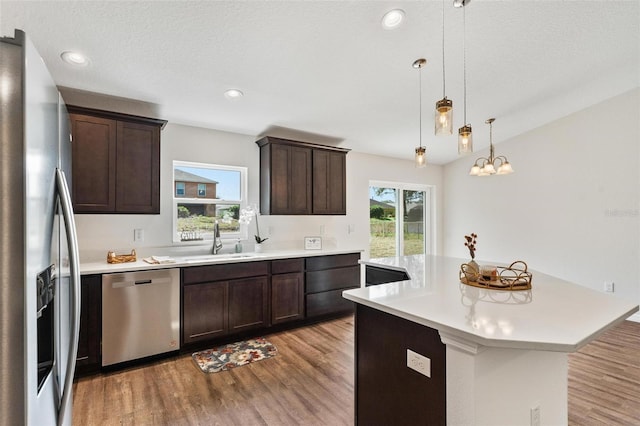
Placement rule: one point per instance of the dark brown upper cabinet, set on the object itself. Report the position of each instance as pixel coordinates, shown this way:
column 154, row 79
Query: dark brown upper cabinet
column 115, row 162
column 329, row 182
column 301, row 178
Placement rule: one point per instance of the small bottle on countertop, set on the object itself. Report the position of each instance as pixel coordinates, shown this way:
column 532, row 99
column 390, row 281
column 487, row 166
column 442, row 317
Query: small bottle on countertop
column 238, row 246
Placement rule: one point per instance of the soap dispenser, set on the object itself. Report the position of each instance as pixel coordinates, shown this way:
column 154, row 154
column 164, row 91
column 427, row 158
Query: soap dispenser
column 238, row 246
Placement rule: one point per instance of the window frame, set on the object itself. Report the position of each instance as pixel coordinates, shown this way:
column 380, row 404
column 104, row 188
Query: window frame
column 242, row 202
column 428, row 212
column 182, row 185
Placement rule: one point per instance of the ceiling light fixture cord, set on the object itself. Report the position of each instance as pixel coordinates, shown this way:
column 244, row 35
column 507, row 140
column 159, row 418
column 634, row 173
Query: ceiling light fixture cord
column 491, row 152
column 464, row 60
column 443, row 117
column 420, row 96
column 444, row 92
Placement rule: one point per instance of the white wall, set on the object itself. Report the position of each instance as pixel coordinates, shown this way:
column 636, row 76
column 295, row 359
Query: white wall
column 100, row 233
column 572, row 207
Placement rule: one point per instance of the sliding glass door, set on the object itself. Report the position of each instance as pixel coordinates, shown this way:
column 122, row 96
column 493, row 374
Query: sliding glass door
column 399, row 221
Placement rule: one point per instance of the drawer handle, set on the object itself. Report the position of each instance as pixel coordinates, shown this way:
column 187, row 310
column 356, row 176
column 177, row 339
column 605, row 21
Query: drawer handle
column 144, row 282
column 203, row 334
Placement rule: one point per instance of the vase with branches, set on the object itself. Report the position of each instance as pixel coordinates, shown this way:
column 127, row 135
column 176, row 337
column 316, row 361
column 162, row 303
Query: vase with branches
column 470, row 243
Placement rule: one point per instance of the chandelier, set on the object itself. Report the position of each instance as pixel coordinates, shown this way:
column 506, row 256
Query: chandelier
column 492, row 165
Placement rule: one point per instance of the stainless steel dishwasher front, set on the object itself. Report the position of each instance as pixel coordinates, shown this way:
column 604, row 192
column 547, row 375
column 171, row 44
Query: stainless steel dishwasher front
column 140, row 314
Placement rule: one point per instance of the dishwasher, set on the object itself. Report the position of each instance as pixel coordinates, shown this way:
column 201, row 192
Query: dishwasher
column 140, row 314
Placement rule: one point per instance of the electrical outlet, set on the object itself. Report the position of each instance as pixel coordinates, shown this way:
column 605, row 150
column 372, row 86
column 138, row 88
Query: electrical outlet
column 419, row 363
column 535, row 416
column 138, row 235
column 609, row 286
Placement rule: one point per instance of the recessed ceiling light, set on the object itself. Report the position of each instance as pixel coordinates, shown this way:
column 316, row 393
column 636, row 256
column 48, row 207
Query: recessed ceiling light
column 74, row 58
column 392, row 19
column 233, row 94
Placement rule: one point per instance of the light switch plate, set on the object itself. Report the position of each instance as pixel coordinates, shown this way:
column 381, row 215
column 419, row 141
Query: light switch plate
column 138, row 235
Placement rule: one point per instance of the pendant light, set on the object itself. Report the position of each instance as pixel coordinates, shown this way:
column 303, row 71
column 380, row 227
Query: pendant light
column 444, row 107
column 421, row 156
column 487, row 166
column 465, row 134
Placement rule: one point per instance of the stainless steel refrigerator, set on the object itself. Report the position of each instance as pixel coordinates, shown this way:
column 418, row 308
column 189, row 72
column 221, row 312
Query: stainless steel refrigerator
column 39, row 274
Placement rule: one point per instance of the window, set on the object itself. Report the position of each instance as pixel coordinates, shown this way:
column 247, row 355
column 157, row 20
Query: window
column 399, row 221
column 204, row 194
column 179, row 189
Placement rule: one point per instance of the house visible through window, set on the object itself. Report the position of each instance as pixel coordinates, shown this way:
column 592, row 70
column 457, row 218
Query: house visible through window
column 399, row 221
column 204, row 194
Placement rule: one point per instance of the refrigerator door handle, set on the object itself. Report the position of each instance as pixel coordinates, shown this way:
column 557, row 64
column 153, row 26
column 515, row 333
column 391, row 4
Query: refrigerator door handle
column 74, row 263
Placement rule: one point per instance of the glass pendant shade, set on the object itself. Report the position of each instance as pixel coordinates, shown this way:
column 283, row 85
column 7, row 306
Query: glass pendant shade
column 444, row 117
column 489, row 169
column 475, row 170
column 421, row 157
column 505, row 168
column 465, row 140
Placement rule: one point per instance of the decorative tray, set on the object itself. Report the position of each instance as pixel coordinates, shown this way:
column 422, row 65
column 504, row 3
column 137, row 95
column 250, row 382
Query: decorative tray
column 512, row 278
column 121, row 258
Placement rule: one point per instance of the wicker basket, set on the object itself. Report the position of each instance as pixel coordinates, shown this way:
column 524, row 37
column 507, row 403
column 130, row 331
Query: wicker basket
column 121, row 258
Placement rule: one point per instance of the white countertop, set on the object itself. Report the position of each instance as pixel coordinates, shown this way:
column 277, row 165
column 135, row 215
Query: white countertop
column 555, row 315
column 198, row 260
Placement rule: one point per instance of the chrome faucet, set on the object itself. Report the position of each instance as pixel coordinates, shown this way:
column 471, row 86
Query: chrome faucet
column 217, row 243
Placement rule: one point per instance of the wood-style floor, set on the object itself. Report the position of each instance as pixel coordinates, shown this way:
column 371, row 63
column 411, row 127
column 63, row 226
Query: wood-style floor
column 604, row 379
column 310, row 382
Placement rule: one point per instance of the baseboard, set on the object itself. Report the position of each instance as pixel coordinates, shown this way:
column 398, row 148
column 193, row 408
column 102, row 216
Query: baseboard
column 635, row 317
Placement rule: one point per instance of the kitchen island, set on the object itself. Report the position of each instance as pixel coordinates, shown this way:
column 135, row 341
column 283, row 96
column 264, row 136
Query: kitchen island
column 490, row 357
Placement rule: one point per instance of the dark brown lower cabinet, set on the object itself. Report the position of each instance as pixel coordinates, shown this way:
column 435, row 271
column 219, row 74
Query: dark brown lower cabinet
column 248, row 304
column 205, row 311
column 375, row 275
column 287, row 297
column 327, row 302
column 287, row 290
column 88, row 358
column 326, row 278
column 387, row 392
column 219, row 300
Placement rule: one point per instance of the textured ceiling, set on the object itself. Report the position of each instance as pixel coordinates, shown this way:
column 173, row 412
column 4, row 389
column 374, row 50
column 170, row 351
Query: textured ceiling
column 328, row 71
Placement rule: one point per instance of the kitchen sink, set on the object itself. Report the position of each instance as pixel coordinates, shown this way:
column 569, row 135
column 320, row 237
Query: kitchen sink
column 219, row 257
